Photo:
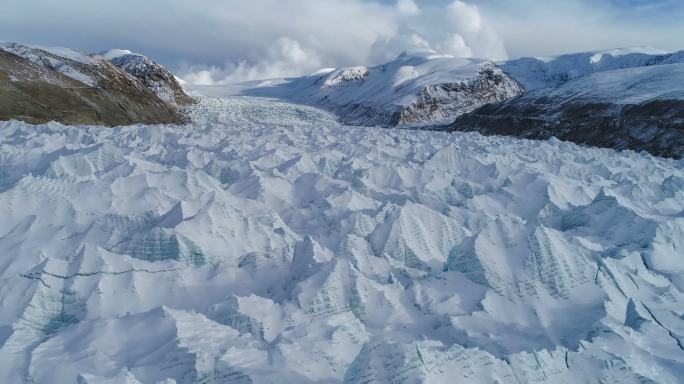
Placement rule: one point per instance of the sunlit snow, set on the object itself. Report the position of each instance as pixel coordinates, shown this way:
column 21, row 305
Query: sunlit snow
column 266, row 243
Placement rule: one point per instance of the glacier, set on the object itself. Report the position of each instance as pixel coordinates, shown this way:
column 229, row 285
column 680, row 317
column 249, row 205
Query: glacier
column 265, row 242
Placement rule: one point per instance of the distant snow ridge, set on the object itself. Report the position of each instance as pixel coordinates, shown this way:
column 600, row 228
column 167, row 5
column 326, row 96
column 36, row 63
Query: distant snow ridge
column 419, row 87
column 548, row 72
column 78, row 65
column 265, row 243
column 344, row 76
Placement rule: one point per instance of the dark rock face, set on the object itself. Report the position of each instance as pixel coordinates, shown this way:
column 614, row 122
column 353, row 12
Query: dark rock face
column 40, row 86
column 154, row 77
column 639, row 109
column 655, row 126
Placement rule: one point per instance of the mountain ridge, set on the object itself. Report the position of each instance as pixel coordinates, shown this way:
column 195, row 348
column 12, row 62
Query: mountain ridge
column 98, row 92
column 637, row 103
column 423, row 89
column 418, row 86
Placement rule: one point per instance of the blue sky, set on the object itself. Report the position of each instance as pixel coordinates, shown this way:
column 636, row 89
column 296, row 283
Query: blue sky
column 536, row 27
column 232, row 40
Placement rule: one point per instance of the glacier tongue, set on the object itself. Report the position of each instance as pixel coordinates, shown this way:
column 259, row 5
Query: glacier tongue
column 264, row 242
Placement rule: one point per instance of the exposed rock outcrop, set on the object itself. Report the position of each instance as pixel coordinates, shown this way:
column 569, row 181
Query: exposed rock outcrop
column 154, row 77
column 441, row 102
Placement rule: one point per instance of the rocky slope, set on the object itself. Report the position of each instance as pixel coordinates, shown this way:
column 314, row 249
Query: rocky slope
column 74, row 87
column 638, row 108
column 419, row 87
column 153, row 75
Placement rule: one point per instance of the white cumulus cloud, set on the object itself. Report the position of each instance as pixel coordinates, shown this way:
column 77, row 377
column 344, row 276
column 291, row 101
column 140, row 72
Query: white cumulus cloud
column 407, row 7
column 232, row 40
column 459, row 31
column 219, row 41
column 286, row 57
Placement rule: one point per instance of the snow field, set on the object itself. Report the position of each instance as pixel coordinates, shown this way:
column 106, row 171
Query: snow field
column 264, row 242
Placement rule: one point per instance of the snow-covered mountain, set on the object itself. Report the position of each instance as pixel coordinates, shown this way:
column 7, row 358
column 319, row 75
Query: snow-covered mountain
column 617, row 100
column 100, row 70
column 549, row 72
column 264, row 242
column 153, row 75
column 417, row 88
column 58, row 84
column 76, row 87
column 423, row 88
column 78, row 65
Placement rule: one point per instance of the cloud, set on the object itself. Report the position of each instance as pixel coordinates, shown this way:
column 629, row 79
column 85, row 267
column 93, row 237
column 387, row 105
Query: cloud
column 286, row 57
column 407, row 7
column 455, row 45
column 460, row 31
column 212, row 41
column 473, row 30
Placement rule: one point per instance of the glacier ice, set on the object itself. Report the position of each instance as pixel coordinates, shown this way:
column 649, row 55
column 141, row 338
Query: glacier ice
column 264, row 242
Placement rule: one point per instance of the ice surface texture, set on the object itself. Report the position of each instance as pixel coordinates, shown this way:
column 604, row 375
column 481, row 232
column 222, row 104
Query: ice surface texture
column 266, row 243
